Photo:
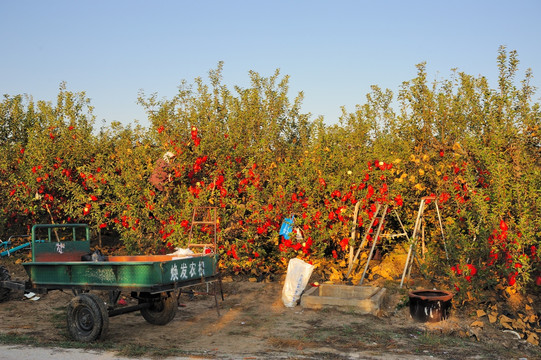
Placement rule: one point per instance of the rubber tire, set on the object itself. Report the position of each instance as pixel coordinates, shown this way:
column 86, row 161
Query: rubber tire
column 87, row 317
column 161, row 311
column 4, row 276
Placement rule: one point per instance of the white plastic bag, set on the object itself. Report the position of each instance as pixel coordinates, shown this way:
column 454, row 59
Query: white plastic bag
column 181, row 253
column 298, row 274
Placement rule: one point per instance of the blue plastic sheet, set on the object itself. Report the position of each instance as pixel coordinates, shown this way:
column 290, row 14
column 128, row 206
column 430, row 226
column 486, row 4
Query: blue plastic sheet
column 287, row 227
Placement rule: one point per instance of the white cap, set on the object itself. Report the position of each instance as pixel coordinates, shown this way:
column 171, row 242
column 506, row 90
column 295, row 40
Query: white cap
column 168, row 155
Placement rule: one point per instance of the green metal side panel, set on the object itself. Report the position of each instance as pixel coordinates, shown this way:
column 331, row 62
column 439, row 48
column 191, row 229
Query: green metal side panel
column 51, row 251
column 120, row 274
column 188, row 269
column 70, row 248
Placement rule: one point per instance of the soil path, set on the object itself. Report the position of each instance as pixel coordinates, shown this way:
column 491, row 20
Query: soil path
column 254, row 324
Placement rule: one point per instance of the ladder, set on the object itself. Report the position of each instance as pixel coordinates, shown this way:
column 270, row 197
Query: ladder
column 416, row 230
column 204, row 216
column 382, row 215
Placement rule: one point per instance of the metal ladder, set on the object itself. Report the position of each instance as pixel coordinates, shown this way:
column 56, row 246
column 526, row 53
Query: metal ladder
column 382, row 215
column 416, row 230
column 201, row 216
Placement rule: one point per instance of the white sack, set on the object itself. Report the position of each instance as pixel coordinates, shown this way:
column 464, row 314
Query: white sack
column 298, row 274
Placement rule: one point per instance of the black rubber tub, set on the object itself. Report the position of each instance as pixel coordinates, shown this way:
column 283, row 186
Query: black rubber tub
column 430, row 305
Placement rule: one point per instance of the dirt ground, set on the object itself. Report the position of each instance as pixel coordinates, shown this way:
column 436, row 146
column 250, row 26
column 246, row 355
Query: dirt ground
column 254, row 324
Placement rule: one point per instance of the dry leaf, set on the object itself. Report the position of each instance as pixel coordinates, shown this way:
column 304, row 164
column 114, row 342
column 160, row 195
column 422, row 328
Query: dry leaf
column 335, row 276
column 533, row 339
column 467, row 298
column 492, row 317
column 506, row 322
column 528, row 307
column 511, row 290
column 481, row 313
column 477, row 323
column 532, row 319
column 519, row 324
column 474, row 332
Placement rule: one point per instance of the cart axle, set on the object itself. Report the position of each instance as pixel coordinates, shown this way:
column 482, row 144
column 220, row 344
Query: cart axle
column 128, row 309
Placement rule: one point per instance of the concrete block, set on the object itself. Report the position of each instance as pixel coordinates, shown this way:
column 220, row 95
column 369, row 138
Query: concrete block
column 359, row 299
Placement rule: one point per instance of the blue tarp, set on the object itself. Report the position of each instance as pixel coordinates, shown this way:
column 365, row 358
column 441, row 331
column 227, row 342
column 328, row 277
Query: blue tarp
column 287, row 227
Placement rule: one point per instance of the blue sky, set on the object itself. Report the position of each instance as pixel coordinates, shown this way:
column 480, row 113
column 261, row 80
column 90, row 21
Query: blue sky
column 333, row 51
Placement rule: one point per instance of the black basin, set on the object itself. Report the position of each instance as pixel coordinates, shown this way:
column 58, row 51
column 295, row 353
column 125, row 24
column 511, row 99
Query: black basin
column 430, row 305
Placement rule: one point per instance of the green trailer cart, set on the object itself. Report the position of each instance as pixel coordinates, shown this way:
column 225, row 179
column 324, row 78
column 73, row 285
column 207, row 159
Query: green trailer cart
column 60, row 263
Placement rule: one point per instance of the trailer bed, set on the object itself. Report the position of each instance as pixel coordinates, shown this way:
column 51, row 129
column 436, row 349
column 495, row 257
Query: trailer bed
column 151, row 273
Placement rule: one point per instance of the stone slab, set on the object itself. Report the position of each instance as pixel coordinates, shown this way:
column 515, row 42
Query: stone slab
column 359, row 299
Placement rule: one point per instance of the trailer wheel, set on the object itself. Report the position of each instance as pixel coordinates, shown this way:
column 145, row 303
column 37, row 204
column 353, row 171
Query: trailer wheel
column 4, row 276
column 161, row 310
column 87, row 317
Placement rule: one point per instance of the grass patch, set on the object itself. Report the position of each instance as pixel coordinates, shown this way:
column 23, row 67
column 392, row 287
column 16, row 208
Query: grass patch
column 435, row 340
column 10, row 308
column 347, row 330
column 58, row 319
column 21, row 339
column 239, row 332
column 95, row 345
column 134, row 351
column 281, row 343
column 16, row 339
